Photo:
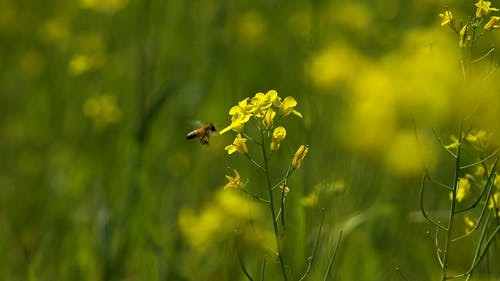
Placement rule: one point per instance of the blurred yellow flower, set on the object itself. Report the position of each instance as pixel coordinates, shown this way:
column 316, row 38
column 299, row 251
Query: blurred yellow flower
column 483, row 8
column 239, row 144
column 299, row 156
column 105, row 6
column 469, row 224
column 463, row 189
column 454, row 144
column 287, row 107
column 447, row 18
column 103, row 110
column 278, row 135
column 492, row 23
column 234, row 182
column 494, row 201
column 239, row 116
column 310, row 200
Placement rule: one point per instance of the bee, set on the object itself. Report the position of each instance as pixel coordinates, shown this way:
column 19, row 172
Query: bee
column 203, row 133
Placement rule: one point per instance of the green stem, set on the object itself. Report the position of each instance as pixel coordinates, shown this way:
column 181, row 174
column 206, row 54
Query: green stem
column 271, row 206
column 451, row 216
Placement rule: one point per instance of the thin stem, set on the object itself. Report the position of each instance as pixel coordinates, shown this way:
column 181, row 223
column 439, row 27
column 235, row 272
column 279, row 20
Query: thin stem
column 271, row 206
column 451, row 216
column 263, row 268
column 311, row 257
column 329, row 268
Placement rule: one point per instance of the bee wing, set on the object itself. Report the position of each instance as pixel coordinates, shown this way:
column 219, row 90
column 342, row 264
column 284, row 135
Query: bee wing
column 196, row 123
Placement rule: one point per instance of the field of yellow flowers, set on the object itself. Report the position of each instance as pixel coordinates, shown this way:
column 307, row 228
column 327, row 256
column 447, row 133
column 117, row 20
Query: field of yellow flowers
column 335, row 140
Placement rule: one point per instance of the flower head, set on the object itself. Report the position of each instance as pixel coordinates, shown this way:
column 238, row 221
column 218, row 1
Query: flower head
column 234, row 182
column 278, row 135
column 239, row 144
column 492, row 23
column 299, row 156
column 268, row 118
column 447, row 18
column 239, row 116
column 463, row 189
column 287, row 106
column 483, row 8
column 261, row 102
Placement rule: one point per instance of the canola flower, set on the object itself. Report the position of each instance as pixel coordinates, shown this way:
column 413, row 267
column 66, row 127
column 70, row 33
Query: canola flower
column 265, row 110
column 262, row 107
column 299, row 156
column 483, row 8
column 447, row 18
column 234, row 182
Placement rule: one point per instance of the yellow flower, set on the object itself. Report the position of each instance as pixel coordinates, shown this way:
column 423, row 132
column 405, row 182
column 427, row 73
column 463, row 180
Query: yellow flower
column 260, row 102
column 234, row 182
column 469, row 224
column 483, row 8
column 239, row 116
column 463, row 189
column 464, row 37
column 287, row 107
column 495, row 201
column 278, row 135
column 309, row 200
column 299, row 156
column 239, row 144
column 447, row 17
column 268, row 117
column 454, row 143
column 492, row 23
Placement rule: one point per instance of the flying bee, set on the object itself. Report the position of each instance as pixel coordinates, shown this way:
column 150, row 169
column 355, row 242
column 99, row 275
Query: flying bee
column 203, row 133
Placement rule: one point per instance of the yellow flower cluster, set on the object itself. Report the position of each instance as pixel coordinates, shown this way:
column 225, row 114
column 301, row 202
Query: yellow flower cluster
column 261, row 106
column 467, row 31
column 264, row 108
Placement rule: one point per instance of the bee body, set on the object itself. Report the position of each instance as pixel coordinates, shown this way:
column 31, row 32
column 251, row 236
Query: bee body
column 203, row 133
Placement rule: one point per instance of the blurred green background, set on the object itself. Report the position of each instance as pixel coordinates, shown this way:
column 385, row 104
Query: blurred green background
column 97, row 181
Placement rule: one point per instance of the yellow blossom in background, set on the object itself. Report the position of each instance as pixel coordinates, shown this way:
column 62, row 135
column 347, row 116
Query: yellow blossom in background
column 218, row 217
column 279, row 134
column 494, row 201
column 463, row 189
column 239, row 144
column 492, row 23
column 469, row 224
column 251, row 28
column 287, row 107
column 234, row 182
column 55, row 30
column 454, row 144
column 447, row 18
column 299, row 156
column 483, row 8
column 239, row 116
column 479, row 138
column 81, row 63
column 104, row 6
column 310, row 200
column 103, row 110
